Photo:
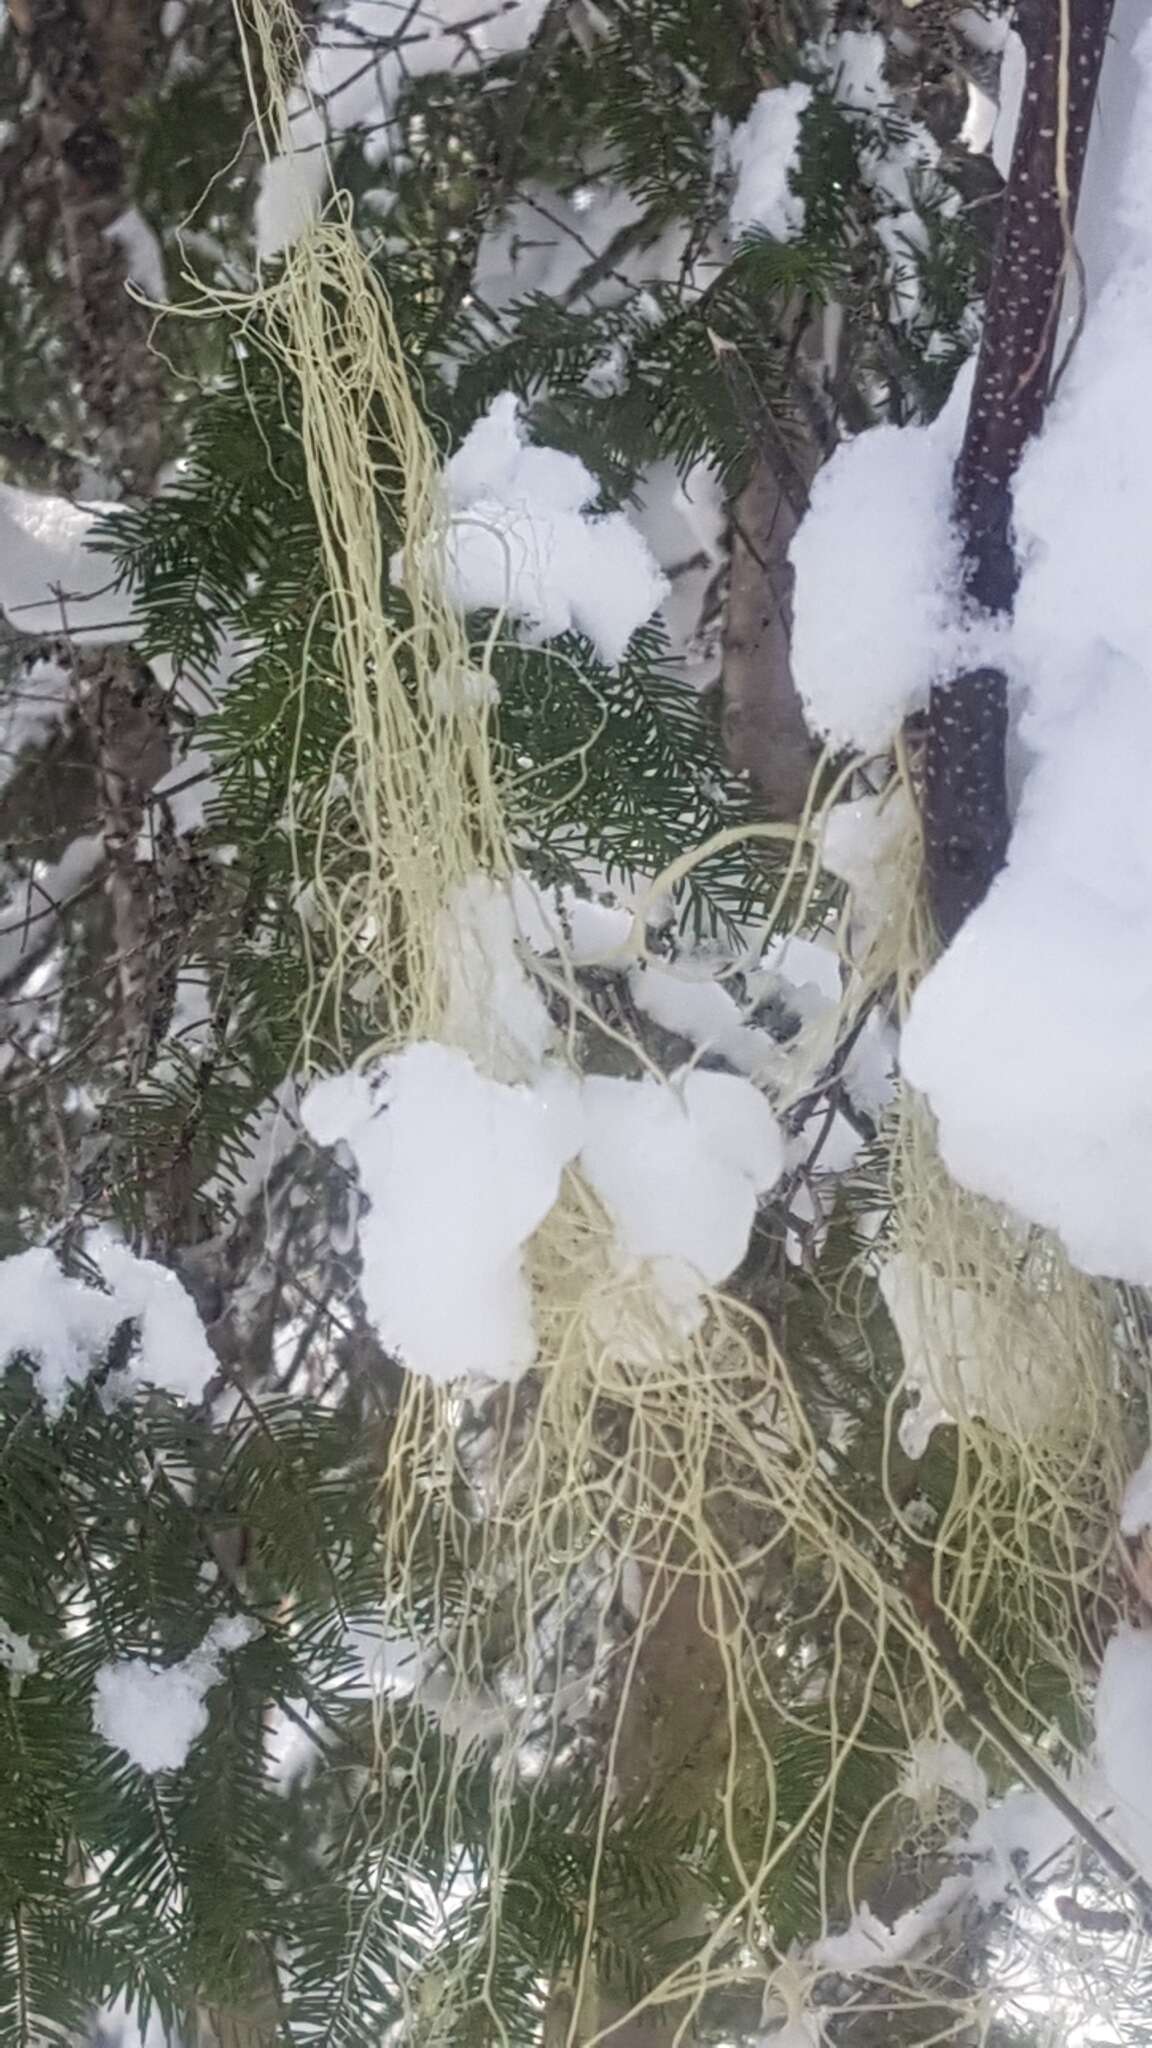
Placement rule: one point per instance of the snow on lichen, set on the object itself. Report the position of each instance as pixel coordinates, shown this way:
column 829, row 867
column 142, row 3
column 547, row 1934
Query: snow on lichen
column 491, row 1005
column 458, row 1171
column 938, row 1763
column 680, row 1168
column 949, row 1376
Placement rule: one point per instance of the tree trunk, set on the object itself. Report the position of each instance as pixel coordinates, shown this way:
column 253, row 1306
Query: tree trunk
column 85, row 59
column 765, row 732
column 966, row 824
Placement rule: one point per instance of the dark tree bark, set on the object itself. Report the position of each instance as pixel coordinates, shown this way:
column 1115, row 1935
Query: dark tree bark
column 966, row 824
column 85, row 60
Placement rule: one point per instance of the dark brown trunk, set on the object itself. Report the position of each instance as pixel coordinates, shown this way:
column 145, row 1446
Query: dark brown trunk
column 966, row 824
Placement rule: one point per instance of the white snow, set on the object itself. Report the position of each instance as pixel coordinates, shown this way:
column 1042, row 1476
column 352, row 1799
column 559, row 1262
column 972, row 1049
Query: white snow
column 854, row 62
column 1124, row 1741
column 154, row 1713
column 143, row 256
column 979, row 121
column 459, row 1170
column 867, row 1943
column 680, row 1167
column 948, row 1367
column 48, row 578
column 173, row 1351
column 1136, row 1506
column 1030, row 1036
column 985, row 32
column 61, row 1324
column 343, row 89
column 684, row 521
column 877, row 589
column 65, row 1327
column 546, row 240
column 939, row 1764
column 31, row 709
column 1013, row 78
column 584, row 930
column 493, row 1011
column 699, row 1008
column 763, row 153
column 17, row 1656
column 1021, row 1833
column 523, row 540
column 859, row 842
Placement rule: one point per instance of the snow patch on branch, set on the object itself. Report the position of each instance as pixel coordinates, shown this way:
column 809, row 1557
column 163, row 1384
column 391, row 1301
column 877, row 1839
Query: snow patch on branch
column 763, row 152
column 523, row 539
column 50, row 581
column 143, row 256
column 17, row 1656
column 156, row 1714
column 64, row 1327
column 459, row 1170
column 868, row 1943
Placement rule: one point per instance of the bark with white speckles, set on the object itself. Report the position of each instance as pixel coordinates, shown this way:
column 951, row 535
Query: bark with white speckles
column 966, row 823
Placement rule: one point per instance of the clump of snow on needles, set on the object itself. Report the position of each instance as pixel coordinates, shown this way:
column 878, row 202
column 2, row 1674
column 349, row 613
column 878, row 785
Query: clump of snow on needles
column 155, row 1714
column 523, row 540
column 680, row 1169
column 1030, row 1036
column 458, row 1170
column 763, row 152
column 695, row 1006
column 17, row 1656
column 64, row 1326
